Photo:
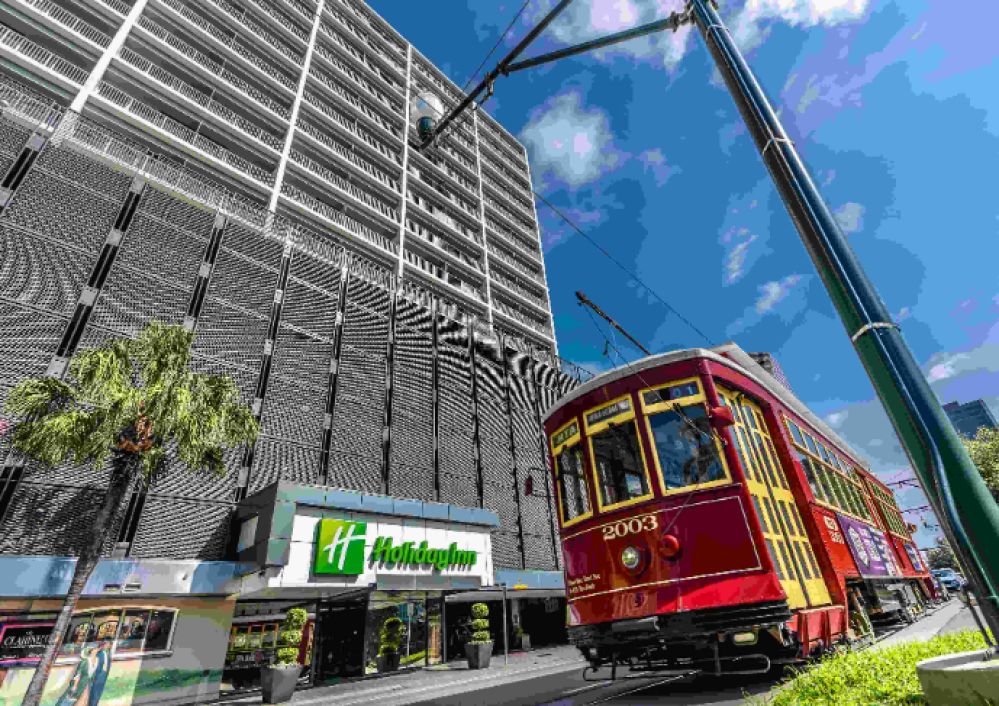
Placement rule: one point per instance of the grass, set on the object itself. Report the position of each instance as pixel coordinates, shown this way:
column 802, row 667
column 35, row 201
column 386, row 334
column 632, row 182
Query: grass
column 873, row 677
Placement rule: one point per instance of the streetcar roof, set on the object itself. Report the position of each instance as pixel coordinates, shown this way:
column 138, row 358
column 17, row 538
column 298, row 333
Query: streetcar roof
column 731, row 355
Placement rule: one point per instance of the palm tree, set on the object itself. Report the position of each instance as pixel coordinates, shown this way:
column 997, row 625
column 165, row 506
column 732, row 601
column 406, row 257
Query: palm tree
column 123, row 405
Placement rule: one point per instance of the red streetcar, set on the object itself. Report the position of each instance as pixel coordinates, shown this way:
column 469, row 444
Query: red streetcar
column 710, row 521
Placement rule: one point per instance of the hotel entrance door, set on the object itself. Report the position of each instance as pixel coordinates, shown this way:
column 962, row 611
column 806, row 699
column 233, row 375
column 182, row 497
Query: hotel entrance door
column 340, row 639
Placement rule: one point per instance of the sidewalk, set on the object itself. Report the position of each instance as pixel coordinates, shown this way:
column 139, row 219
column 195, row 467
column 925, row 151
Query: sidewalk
column 928, row 627
column 441, row 681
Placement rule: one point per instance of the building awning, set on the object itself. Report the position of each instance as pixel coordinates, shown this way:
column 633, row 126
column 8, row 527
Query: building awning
column 496, row 594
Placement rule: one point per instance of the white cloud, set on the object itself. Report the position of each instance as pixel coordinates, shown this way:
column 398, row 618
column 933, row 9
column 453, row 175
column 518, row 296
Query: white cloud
column 944, row 366
column 851, row 217
column 836, row 418
column 735, row 261
column 588, row 19
column 751, row 26
column 772, row 293
column 572, row 143
column 655, row 161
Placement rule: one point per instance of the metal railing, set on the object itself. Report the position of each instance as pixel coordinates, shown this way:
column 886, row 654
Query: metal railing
column 362, row 82
column 69, row 21
column 516, row 314
column 383, row 33
column 282, row 19
column 512, row 238
column 456, row 226
column 348, row 96
column 122, row 8
column 227, row 115
column 238, row 84
column 230, row 42
column 434, row 187
column 339, row 218
column 344, row 185
column 240, row 16
column 182, row 132
column 352, row 126
column 394, row 60
column 441, row 274
column 497, row 160
column 443, row 170
column 25, row 47
column 507, row 188
column 30, row 107
column 426, row 232
column 518, row 288
column 348, row 155
column 496, row 253
column 361, row 57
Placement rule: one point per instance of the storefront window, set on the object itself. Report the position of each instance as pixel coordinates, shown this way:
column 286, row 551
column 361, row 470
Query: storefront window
column 619, row 467
column 399, row 629
column 685, row 447
column 574, row 491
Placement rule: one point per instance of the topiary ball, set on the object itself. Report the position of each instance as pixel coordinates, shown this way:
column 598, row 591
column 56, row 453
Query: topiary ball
column 480, row 610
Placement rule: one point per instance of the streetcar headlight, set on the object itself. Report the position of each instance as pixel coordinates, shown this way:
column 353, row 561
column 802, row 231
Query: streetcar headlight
column 631, row 558
column 744, row 638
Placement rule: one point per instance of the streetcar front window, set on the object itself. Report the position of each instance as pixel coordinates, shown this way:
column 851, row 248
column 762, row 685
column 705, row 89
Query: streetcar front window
column 618, row 461
column 688, row 454
column 574, row 493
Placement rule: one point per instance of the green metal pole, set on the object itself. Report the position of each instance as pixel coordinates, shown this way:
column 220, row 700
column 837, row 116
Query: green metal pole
column 968, row 514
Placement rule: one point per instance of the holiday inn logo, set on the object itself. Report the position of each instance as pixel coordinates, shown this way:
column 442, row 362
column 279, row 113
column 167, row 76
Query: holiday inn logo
column 340, row 547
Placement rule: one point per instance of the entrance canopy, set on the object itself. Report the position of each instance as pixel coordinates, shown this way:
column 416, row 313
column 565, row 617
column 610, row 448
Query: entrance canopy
column 496, row 594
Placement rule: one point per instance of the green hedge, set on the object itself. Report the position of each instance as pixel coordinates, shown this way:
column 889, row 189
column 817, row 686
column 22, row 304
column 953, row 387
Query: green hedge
column 873, row 677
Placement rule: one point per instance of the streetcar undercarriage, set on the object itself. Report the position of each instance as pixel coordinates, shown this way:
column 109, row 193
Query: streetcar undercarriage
column 731, row 640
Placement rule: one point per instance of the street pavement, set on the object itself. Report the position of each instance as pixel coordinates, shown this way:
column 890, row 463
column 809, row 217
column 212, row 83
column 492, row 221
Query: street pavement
column 555, row 678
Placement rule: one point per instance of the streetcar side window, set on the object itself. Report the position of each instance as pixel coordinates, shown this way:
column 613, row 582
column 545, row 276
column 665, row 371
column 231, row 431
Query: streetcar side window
column 685, row 445
column 574, row 492
column 617, row 457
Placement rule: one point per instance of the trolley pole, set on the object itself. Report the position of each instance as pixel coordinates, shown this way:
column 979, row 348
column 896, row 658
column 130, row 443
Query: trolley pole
column 968, row 515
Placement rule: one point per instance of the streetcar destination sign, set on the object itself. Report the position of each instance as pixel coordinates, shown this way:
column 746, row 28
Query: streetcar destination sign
column 340, row 545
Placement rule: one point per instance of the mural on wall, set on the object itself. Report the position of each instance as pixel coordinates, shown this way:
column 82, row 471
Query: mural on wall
column 119, row 654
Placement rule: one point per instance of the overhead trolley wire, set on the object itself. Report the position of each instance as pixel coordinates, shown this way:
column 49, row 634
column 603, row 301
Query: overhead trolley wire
column 499, row 41
column 558, row 212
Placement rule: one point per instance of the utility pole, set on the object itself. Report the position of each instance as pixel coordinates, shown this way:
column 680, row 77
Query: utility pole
column 968, row 514
column 584, row 301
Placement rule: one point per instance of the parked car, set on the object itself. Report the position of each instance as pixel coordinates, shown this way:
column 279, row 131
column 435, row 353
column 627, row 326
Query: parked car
column 949, row 578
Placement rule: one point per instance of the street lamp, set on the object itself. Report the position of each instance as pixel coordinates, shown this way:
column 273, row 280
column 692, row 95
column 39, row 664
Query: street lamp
column 968, row 514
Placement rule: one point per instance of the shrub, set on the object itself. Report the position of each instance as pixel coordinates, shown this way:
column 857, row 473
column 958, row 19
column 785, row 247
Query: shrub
column 390, row 636
column 886, row 677
column 290, row 636
column 480, row 624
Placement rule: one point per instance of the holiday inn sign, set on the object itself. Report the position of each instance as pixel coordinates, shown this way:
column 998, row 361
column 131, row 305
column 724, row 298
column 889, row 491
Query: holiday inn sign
column 340, row 549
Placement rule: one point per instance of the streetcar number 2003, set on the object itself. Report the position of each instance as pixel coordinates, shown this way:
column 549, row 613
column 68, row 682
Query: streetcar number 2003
column 632, row 526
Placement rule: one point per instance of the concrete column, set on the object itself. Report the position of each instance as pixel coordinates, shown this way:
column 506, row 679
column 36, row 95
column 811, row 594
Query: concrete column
column 295, row 106
column 117, row 42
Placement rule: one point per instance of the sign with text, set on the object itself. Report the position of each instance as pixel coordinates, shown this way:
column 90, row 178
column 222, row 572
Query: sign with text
column 23, row 642
column 342, row 548
column 868, row 547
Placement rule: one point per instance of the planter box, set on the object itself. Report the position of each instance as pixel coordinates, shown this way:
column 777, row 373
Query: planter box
column 960, row 679
column 278, row 683
column 478, row 654
column 388, row 662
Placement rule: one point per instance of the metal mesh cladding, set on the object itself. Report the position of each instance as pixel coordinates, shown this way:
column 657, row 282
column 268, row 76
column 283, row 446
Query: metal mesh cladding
column 275, row 460
column 171, row 528
column 40, row 273
column 48, row 519
column 62, row 211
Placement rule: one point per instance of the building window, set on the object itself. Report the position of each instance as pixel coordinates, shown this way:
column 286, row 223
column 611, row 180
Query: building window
column 685, row 446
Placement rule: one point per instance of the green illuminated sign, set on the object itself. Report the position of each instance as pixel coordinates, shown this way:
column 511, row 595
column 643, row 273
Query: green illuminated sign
column 340, row 547
column 340, row 550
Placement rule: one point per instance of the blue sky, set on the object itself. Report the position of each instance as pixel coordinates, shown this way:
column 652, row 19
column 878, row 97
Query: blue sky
column 893, row 106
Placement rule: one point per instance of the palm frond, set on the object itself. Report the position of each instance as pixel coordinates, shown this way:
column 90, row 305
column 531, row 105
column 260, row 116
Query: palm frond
column 36, row 396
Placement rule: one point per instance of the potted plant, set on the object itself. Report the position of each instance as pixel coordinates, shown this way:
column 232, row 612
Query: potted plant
column 523, row 639
column 278, row 679
column 479, row 649
column 390, row 638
